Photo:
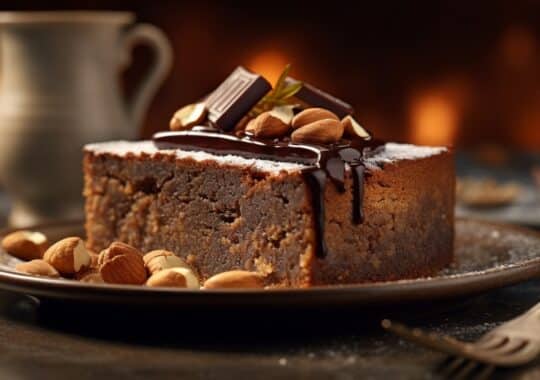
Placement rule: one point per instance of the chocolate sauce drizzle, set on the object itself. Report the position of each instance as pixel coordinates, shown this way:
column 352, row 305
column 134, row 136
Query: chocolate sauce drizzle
column 322, row 162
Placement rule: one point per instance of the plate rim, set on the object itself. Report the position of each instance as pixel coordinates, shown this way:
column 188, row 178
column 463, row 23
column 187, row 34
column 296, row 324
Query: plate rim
column 425, row 288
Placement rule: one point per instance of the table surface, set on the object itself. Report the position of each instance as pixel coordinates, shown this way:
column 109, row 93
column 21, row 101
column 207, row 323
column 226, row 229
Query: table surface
column 48, row 340
column 56, row 340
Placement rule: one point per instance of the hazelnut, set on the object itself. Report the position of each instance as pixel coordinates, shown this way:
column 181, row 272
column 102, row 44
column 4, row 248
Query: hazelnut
column 25, row 245
column 68, row 256
column 122, row 264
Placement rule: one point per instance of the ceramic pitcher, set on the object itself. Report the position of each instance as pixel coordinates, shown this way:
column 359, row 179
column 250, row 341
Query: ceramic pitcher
column 58, row 91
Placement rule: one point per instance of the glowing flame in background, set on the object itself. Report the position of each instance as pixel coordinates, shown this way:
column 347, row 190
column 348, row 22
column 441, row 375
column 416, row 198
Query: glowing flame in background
column 499, row 63
column 434, row 120
column 269, row 63
column 436, row 113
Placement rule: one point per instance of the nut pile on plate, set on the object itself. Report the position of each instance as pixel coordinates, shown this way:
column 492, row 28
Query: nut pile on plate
column 119, row 263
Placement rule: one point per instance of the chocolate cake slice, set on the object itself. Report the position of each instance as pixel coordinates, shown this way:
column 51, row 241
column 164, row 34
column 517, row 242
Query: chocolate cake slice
column 224, row 212
column 282, row 181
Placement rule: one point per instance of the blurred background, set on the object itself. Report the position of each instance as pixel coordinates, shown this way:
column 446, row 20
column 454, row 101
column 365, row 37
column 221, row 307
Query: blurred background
column 471, row 68
column 457, row 73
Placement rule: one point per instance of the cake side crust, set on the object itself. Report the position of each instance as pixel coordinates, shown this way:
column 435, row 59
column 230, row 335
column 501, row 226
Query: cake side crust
column 217, row 217
column 408, row 227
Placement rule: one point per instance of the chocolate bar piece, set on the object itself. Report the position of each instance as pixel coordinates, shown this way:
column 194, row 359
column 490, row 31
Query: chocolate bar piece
column 313, row 97
column 235, row 97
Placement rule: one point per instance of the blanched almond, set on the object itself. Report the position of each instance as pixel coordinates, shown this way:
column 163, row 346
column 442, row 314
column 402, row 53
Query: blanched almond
column 174, row 277
column 161, row 259
column 37, row 268
column 235, row 279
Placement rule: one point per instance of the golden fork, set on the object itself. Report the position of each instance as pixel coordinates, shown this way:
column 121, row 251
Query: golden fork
column 514, row 343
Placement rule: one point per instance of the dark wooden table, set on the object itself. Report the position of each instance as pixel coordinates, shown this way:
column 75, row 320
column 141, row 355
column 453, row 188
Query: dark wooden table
column 66, row 341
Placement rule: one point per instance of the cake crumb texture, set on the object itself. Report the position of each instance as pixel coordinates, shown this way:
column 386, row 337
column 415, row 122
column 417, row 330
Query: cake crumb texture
column 221, row 215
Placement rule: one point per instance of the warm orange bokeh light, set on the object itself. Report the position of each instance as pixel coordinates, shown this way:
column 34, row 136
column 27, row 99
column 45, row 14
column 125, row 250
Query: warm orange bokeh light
column 527, row 130
column 269, row 63
column 433, row 119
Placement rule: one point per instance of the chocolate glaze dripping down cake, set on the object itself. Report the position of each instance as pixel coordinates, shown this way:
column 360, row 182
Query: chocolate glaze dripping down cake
column 323, row 163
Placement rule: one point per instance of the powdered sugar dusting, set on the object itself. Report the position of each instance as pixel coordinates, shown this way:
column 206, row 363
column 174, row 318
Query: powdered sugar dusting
column 123, row 148
column 393, row 152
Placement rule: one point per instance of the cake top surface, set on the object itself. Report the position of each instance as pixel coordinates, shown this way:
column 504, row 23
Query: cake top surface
column 392, row 152
column 140, row 148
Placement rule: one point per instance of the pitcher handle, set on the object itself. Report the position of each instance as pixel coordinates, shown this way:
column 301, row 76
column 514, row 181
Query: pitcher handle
column 153, row 37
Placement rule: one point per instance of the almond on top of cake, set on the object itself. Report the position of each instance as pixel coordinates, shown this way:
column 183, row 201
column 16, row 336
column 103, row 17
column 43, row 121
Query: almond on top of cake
column 281, row 181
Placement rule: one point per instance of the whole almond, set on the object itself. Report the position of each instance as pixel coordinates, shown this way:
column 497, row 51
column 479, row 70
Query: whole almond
column 121, row 263
column 235, row 279
column 311, row 115
column 161, row 259
column 267, row 125
column 174, row 277
column 188, row 116
column 324, row 131
column 37, row 267
column 354, row 129
column 115, row 249
column 68, row 256
column 25, row 245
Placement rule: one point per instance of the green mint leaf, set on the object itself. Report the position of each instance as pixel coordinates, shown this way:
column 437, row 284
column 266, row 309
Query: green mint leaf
column 280, row 83
column 290, row 90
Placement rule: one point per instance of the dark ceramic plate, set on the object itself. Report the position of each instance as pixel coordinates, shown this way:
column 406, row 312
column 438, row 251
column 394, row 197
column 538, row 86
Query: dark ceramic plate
column 488, row 256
